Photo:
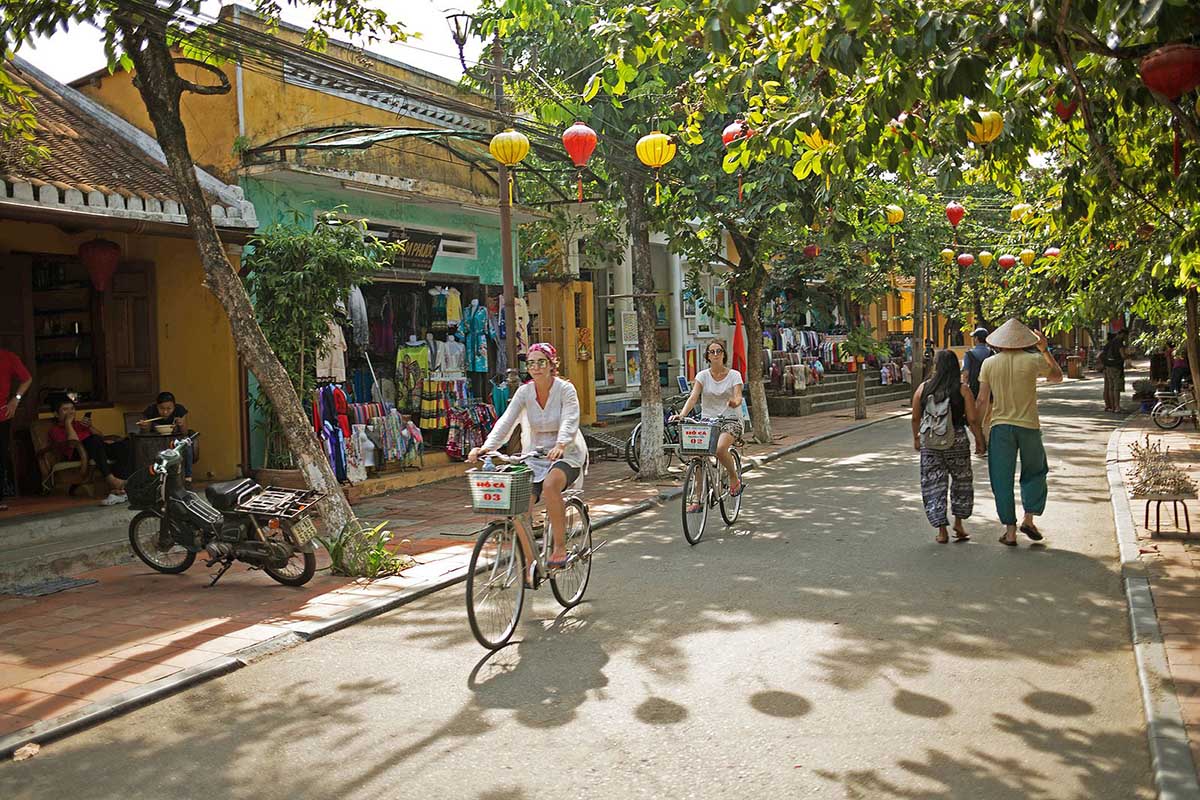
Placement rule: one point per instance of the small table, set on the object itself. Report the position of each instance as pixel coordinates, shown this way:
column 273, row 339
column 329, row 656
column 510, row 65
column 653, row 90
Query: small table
column 1175, row 500
column 147, row 446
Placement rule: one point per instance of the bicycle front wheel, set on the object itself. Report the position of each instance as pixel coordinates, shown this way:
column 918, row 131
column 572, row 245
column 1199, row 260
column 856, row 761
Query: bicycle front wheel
column 495, row 585
column 1164, row 418
column 569, row 583
column 730, row 506
column 695, row 501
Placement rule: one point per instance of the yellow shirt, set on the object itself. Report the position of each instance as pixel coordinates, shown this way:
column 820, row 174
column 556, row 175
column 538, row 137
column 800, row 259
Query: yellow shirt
column 1012, row 376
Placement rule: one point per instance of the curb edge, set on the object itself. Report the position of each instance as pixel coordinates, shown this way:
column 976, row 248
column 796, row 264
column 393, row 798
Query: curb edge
column 1170, row 756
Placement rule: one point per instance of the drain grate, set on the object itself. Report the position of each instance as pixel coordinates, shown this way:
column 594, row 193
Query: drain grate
column 49, row 586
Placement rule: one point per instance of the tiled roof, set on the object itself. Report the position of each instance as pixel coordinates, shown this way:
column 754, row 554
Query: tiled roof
column 91, row 166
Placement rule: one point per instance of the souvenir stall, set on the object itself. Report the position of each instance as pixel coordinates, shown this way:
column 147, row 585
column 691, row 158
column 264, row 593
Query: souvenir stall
column 416, row 365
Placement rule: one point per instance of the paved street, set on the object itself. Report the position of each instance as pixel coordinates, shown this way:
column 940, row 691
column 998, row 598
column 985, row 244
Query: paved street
column 825, row 646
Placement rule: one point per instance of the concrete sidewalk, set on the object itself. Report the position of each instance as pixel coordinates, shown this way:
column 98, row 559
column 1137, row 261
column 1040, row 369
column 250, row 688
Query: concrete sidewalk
column 80, row 656
column 1162, row 575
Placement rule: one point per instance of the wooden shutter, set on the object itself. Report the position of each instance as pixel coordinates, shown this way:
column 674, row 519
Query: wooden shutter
column 131, row 334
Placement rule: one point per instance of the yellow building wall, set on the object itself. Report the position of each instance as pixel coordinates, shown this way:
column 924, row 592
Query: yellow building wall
column 196, row 356
column 210, row 120
column 273, row 109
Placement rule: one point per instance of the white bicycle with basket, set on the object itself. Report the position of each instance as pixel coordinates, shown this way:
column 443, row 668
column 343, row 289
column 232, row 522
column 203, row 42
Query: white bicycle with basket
column 706, row 483
column 507, row 554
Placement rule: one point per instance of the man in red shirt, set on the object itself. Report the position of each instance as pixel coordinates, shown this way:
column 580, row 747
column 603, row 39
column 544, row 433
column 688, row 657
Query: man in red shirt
column 80, row 439
column 11, row 371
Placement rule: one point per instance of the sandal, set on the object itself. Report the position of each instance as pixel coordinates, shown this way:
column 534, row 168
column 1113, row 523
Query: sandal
column 1005, row 541
column 695, row 508
column 555, row 563
column 741, row 488
column 960, row 535
column 942, row 538
column 1032, row 532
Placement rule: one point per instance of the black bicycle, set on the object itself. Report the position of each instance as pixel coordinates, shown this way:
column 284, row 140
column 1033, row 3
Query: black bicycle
column 633, row 445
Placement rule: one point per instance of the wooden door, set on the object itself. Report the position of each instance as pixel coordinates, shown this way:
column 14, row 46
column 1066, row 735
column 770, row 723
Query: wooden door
column 131, row 334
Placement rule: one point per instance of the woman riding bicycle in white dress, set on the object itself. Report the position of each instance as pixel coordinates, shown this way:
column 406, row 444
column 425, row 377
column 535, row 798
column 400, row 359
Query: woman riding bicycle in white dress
column 718, row 390
column 547, row 407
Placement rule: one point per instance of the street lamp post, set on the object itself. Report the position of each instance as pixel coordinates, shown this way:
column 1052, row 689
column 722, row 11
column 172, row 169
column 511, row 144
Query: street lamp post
column 460, row 23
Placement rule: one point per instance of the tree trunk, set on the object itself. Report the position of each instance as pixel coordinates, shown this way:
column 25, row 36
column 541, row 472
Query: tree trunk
column 760, row 417
column 1193, row 341
column 161, row 89
column 653, row 463
column 918, row 345
column 860, row 390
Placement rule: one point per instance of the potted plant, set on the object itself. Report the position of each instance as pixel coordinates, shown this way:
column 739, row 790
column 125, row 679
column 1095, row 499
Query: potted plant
column 1143, row 393
column 860, row 343
column 297, row 275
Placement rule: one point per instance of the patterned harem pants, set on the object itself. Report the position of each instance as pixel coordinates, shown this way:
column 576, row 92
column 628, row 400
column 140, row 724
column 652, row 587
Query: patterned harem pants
column 948, row 470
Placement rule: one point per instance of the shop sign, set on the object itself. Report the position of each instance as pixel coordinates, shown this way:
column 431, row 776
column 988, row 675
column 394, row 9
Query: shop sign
column 420, row 249
column 904, row 282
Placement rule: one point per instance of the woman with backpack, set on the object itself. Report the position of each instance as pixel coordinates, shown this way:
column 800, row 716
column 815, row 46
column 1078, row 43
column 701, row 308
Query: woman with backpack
column 943, row 409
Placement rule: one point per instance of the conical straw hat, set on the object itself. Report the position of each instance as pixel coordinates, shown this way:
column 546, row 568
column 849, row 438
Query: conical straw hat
column 1013, row 335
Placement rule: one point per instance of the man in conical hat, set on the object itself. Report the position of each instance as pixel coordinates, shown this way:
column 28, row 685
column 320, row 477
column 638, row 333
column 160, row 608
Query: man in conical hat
column 1008, row 388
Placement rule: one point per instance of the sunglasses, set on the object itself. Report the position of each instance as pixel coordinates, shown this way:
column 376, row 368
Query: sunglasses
column 716, row 351
column 539, row 362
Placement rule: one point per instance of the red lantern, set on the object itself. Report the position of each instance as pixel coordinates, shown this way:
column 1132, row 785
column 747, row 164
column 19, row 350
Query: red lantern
column 580, row 141
column 955, row 212
column 734, row 131
column 965, row 260
column 812, row 251
column 101, row 257
column 1065, row 110
column 1007, row 261
column 1172, row 71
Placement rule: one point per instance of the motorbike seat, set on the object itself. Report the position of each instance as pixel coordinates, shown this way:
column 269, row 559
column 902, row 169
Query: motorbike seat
column 226, row 495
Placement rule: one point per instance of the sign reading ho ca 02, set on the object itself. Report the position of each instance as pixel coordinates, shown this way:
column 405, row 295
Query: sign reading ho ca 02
column 420, row 249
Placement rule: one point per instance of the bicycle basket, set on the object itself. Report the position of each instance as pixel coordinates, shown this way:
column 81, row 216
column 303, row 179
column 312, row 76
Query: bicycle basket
column 698, row 438
column 144, row 489
column 503, row 491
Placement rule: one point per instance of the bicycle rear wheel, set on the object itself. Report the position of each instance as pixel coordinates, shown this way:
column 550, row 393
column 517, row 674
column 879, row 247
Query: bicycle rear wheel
column 695, row 501
column 633, row 446
column 730, row 506
column 570, row 583
column 495, row 585
column 1163, row 419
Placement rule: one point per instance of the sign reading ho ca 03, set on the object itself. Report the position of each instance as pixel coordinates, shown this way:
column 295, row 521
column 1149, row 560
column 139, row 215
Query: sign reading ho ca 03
column 420, row 249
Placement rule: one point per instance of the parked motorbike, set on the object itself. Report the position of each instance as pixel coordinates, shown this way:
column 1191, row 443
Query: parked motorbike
column 633, row 445
column 268, row 528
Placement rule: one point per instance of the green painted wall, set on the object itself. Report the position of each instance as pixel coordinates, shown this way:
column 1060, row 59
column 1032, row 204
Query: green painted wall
column 274, row 202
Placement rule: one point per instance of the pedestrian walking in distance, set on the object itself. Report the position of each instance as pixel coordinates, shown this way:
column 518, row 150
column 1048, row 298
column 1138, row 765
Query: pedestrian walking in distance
column 1113, row 358
column 943, row 409
column 1008, row 388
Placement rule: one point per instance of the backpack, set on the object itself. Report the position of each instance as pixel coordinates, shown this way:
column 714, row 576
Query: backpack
column 937, row 430
column 973, row 366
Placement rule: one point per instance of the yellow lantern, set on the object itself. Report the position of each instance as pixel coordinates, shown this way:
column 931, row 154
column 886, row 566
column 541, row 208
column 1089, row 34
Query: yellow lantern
column 656, row 150
column 1019, row 212
column 895, row 214
column 987, row 129
column 509, row 147
column 1027, row 256
column 985, row 259
column 948, row 256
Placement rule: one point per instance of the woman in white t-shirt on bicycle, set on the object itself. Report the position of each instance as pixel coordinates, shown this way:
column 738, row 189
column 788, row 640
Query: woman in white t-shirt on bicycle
column 718, row 390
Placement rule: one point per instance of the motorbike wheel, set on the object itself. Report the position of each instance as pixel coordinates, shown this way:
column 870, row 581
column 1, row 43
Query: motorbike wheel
column 1162, row 416
column 145, row 531
column 300, row 567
